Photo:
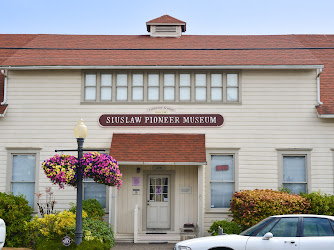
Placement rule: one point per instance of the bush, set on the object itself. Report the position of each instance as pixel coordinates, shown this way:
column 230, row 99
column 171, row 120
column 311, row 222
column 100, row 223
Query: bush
column 15, row 211
column 229, row 227
column 92, row 207
column 97, row 230
column 249, row 207
column 320, row 203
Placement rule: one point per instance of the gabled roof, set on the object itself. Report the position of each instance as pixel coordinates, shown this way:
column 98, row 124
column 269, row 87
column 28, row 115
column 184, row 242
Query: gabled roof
column 167, row 20
column 159, row 148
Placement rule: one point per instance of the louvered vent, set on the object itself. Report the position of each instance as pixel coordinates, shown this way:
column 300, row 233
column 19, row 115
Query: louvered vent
column 165, row 28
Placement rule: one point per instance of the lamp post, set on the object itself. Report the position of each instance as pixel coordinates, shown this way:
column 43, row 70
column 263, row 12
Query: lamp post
column 80, row 132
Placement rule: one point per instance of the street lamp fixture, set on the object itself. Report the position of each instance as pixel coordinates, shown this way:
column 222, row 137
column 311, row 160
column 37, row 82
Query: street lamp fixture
column 80, row 132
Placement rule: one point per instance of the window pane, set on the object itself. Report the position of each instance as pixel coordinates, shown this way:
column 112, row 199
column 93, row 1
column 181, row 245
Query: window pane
column 295, row 188
column 90, row 80
column 23, row 168
column 185, row 93
column 184, row 79
column 216, row 94
column 169, row 93
column 106, row 80
column 294, row 169
column 27, row 189
column 138, row 80
column 153, row 80
column 122, row 79
column 221, row 194
column 232, row 80
column 317, row 227
column 200, row 80
column 122, row 93
column 222, row 168
column 138, row 93
column 97, row 191
column 216, row 80
column 169, row 80
column 106, row 93
column 286, row 227
column 153, row 93
column 90, row 93
column 232, row 94
column 267, row 228
column 200, row 94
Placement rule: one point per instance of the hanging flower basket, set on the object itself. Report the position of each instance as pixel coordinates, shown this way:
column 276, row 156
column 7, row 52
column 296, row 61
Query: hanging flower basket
column 61, row 169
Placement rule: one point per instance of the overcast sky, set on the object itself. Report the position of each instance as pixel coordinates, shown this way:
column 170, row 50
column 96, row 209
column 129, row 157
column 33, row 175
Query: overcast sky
column 205, row 17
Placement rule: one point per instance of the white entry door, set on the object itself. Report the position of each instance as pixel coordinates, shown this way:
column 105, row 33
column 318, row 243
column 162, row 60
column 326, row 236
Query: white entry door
column 158, row 211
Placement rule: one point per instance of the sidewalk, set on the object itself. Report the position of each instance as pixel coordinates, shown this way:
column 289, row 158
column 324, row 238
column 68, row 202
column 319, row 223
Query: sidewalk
column 142, row 246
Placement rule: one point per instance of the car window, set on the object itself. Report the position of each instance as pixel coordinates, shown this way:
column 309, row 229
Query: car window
column 286, row 227
column 267, row 228
column 254, row 228
column 317, row 227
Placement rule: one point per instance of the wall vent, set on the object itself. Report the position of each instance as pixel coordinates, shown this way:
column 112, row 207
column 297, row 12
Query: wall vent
column 165, row 28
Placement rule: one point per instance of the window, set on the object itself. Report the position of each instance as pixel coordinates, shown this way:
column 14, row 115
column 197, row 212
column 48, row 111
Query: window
column 294, row 170
column 200, row 87
column 161, row 86
column 90, row 87
column 221, row 178
column 286, row 227
column 315, row 227
column 22, row 173
column 106, row 87
column 232, row 88
column 122, row 87
column 137, row 87
column 93, row 190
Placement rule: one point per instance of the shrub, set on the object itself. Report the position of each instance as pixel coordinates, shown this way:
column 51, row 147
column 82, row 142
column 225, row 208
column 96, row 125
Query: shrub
column 248, row 207
column 92, row 207
column 229, row 227
column 14, row 210
column 97, row 230
column 320, row 203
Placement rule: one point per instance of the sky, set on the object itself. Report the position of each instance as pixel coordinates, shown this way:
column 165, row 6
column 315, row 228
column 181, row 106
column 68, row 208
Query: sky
column 129, row 17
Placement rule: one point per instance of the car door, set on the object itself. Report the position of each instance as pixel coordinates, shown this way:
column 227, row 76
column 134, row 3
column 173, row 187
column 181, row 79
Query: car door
column 317, row 233
column 284, row 232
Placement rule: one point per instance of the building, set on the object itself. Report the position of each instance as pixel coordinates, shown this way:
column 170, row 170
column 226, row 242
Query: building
column 190, row 119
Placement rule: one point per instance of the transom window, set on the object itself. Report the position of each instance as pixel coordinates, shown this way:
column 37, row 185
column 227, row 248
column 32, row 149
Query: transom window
column 161, row 87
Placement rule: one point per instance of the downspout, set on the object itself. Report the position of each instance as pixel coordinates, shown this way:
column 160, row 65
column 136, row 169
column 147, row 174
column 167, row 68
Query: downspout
column 319, row 71
column 5, row 87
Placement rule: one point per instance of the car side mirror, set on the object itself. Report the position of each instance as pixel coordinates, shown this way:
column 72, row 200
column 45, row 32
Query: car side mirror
column 267, row 236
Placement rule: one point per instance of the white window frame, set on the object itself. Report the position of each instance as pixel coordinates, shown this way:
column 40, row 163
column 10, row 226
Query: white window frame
column 231, row 151
column 91, row 181
column 160, row 88
column 295, row 152
column 23, row 151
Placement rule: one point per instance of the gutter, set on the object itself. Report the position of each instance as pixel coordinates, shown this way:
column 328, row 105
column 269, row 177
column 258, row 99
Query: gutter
column 319, row 71
column 165, row 67
column 137, row 163
column 5, row 87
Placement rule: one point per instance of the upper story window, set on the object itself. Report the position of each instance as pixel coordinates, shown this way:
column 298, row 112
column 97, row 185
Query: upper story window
column 161, row 87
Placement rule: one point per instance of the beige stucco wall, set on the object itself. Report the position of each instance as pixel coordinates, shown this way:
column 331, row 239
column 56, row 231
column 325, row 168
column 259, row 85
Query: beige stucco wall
column 277, row 111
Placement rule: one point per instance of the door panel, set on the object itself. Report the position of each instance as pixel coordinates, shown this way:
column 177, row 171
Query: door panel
column 158, row 209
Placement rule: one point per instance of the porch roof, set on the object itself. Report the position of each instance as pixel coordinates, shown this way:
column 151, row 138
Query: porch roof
column 167, row 149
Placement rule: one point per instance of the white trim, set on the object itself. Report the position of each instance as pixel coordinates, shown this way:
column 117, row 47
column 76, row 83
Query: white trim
column 327, row 116
column 4, row 90
column 160, row 163
column 319, row 71
column 167, row 67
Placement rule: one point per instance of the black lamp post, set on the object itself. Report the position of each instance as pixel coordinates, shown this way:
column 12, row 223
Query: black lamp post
column 80, row 132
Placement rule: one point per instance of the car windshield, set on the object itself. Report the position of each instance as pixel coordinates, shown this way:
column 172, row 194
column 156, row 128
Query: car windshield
column 250, row 230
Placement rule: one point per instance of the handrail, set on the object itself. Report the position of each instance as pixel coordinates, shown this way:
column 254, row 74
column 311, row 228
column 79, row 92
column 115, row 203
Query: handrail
column 135, row 226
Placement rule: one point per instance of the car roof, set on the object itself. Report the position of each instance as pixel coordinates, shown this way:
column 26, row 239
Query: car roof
column 305, row 215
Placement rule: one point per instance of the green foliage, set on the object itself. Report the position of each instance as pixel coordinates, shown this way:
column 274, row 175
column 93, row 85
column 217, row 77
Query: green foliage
column 14, row 210
column 320, row 203
column 249, row 207
column 97, row 230
column 92, row 207
column 229, row 227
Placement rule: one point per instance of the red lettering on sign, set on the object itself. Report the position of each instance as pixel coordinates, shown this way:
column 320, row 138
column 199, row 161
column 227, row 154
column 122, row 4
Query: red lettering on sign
column 221, row 167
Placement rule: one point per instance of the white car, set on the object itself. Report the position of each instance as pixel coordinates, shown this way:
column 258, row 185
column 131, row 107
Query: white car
column 298, row 232
column 2, row 233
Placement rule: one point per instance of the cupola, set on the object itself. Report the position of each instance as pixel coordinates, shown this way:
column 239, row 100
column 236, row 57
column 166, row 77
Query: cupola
column 166, row 26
